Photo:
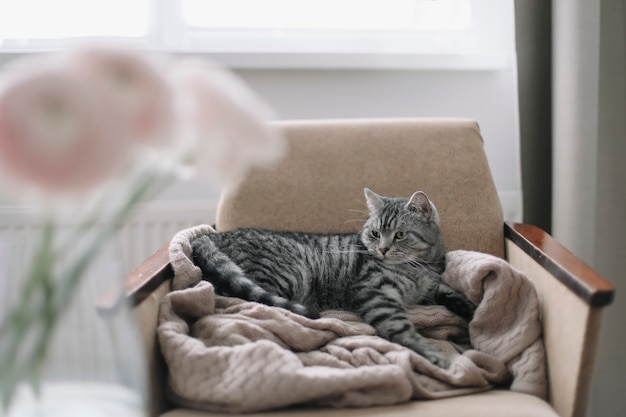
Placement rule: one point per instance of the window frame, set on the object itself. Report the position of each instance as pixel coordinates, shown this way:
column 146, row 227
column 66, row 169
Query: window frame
column 478, row 49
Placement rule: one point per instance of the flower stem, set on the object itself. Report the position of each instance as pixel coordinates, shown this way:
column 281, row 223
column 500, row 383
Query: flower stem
column 55, row 293
column 24, row 315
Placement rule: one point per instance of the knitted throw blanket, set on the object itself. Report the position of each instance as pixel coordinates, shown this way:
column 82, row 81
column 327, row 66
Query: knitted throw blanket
column 225, row 354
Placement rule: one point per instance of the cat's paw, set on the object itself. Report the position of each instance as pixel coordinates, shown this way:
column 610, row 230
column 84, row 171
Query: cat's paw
column 462, row 307
column 433, row 356
column 456, row 302
column 438, row 359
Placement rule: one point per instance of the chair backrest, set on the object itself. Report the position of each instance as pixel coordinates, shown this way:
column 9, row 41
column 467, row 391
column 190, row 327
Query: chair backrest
column 318, row 187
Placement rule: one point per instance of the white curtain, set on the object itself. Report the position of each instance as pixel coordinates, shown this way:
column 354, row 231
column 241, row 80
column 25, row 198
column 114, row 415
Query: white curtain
column 589, row 165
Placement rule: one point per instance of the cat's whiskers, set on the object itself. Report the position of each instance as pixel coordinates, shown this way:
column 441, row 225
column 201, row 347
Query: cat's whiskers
column 415, row 258
column 419, row 266
column 422, row 264
column 365, row 212
column 355, row 220
column 363, row 203
column 359, row 221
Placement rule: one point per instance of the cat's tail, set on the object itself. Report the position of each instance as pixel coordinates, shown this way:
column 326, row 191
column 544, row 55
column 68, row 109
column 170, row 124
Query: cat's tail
column 230, row 280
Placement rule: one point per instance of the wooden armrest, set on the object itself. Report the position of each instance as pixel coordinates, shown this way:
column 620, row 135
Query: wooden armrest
column 591, row 287
column 139, row 283
column 147, row 277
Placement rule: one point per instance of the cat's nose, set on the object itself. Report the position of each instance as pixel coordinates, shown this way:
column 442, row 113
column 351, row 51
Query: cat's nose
column 383, row 250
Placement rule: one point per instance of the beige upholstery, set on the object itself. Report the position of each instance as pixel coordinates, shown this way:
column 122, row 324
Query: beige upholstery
column 319, row 187
column 147, row 316
column 566, row 344
column 494, row 403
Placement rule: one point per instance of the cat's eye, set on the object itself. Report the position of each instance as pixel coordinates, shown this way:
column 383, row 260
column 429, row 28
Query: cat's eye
column 400, row 235
column 375, row 234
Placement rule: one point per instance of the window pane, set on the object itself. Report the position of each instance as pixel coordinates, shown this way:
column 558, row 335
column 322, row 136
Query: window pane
column 54, row 19
column 328, row 14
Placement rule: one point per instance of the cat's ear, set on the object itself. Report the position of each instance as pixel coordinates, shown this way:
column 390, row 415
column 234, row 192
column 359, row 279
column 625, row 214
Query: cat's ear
column 419, row 202
column 373, row 200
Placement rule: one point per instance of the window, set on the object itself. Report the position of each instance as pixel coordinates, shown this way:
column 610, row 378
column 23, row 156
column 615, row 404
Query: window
column 28, row 24
column 273, row 32
column 328, row 14
column 318, row 26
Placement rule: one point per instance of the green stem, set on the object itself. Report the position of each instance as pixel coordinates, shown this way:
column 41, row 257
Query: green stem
column 57, row 297
column 147, row 187
column 24, row 315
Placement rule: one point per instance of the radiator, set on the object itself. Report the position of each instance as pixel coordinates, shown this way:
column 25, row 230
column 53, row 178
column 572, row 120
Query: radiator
column 84, row 344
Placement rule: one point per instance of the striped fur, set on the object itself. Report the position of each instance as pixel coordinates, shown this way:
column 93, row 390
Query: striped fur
column 395, row 261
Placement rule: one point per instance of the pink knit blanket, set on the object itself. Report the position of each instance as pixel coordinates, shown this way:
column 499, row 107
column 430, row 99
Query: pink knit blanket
column 225, row 354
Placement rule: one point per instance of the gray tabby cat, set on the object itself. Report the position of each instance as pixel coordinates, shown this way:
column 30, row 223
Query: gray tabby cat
column 395, row 261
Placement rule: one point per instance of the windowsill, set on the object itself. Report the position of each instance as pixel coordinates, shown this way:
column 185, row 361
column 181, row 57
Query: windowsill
column 374, row 60
column 340, row 60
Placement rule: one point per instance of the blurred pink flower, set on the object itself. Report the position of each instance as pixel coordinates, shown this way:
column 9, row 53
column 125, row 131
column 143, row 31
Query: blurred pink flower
column 67, row 119
column 225, row 122
column 54, row 131
column 135, row 83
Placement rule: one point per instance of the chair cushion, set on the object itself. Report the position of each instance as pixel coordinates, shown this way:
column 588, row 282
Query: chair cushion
column 318, row 187
column 496, row 403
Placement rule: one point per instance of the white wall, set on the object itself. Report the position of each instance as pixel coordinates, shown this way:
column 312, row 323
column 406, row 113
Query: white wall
column 488, row 96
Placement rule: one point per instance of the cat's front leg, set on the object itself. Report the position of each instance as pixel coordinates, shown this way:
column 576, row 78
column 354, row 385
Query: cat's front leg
column 385, row 312
column 455, row 301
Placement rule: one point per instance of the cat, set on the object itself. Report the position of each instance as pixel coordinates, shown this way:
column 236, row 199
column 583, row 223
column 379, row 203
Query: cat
column 396, row 260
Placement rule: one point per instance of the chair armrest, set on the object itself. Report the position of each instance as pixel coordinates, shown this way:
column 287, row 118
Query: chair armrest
column 591, row 287
column 572, row 297
column 149, row 275
column 145, row 286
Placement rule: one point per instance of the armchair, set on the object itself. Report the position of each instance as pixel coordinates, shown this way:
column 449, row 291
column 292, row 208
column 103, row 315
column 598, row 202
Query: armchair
column 313, row 188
